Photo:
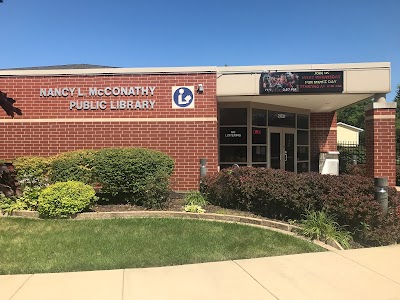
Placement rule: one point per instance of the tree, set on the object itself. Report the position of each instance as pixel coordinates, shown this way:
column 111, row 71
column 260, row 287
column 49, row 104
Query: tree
column 7, row 104
column 354, row 114
column 397, row 100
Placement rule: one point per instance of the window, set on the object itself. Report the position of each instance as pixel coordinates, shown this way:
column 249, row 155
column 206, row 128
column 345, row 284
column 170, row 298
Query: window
column 232, row 136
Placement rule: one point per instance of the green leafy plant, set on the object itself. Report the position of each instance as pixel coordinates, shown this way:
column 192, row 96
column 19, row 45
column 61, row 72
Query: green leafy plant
column 134, row 175
column 75, row 165
column 30, row 197
column 195, row 198
column 32, row 171
column 63, row 199
column 6, row 204
column 318, row 225
column 194, row 208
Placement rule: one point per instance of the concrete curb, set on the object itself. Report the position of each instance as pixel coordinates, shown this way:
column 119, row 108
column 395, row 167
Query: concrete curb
column 281, row 227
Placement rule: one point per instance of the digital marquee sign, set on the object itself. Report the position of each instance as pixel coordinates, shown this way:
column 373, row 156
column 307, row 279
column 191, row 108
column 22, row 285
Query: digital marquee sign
column 301, row 82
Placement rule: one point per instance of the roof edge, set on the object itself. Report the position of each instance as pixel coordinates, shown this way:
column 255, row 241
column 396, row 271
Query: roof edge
column 108, row 71
column 205, row 69
column 350, row 126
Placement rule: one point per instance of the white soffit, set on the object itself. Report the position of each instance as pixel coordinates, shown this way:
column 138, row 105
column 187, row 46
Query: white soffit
column 313, row 103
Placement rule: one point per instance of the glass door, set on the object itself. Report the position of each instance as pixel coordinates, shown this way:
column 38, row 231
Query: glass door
column 282, row 146
column 275, row 150
column 289, row 152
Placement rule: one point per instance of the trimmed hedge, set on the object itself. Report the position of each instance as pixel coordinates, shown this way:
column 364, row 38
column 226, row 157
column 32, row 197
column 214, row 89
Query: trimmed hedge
column 285, row 195
column 75, row 165
column 135, row 175
column 359, row 170
column 32, row 171
column 63, row 199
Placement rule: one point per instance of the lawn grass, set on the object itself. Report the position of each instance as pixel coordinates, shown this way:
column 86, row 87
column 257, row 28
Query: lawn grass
column 38, row 246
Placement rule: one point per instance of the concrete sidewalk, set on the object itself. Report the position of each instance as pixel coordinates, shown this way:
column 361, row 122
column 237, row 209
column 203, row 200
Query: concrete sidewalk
column 372, row 273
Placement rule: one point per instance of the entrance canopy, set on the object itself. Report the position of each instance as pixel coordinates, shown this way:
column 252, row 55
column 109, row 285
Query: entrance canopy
column 317, row 88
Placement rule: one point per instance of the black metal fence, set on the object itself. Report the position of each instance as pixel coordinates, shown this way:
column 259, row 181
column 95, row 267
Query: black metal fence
column 351, row 152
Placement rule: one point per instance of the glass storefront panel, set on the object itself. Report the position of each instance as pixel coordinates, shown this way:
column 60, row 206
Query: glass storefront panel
column 225, row 166
column 275, row 147
column 259, row 154
column 259, row 117
column 278, row 139
column 233, row 154
column 302, row 121
column 302, row 137
column 233, row 135
column 302, row 167
column 281, row 119
column 302, row 153
column 259, row 165
column 259, row 135
column 233, row 116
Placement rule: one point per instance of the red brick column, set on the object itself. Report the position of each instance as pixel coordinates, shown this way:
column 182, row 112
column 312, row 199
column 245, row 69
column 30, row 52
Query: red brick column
column 380, row 129
column 323, row 136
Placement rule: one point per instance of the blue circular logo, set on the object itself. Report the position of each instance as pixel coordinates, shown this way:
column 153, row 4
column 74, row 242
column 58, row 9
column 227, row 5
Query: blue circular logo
column 183, row 97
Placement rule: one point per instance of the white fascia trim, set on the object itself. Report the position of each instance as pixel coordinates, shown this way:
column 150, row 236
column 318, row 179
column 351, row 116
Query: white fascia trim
column 109, row 71
column 350, row 126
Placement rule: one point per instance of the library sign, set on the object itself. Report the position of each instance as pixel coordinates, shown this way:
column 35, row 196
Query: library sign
column 93, row 92
column 301, row 82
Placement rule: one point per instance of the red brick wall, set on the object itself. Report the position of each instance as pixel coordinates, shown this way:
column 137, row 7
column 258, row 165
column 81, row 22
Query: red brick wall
column 186, row 141
column 323, row 136
column 381, row 144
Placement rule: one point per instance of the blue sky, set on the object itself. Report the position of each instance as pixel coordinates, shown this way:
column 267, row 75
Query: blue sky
column 200, row 33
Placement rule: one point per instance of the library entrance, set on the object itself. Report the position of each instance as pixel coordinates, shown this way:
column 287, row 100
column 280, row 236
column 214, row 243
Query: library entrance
column 281, row 151
column 257, row 137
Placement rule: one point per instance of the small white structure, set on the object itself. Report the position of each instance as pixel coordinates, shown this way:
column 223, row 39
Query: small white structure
column 347, row 134
column 329, row 163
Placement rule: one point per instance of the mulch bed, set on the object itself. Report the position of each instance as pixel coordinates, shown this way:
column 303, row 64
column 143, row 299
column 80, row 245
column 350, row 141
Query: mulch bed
column 174, row 204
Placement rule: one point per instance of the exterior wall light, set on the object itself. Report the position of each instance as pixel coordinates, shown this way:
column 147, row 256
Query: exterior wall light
column 200, row 89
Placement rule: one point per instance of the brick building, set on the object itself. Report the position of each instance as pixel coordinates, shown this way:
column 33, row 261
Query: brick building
column 262, row 116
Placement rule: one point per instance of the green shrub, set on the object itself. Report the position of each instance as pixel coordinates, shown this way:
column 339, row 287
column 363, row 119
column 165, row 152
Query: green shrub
column 156, row 191
column 194, row 208
column 31, row 170
column 6, row 204
column 320, row 226
column 285, row 195
column 28, row 200
column 135, row 175
column 194, row 198
column 63, row 199
column 75, row 165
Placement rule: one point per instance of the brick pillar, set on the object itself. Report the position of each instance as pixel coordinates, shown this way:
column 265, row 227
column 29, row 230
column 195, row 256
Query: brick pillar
column 380, row 135
column 323, row 136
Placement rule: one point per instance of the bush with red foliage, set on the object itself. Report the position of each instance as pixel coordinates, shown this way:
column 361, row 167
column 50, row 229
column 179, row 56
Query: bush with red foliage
column 285, row 195
column 359, row 170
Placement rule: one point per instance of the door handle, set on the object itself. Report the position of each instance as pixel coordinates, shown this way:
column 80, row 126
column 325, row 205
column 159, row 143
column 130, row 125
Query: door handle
column 285, row 156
